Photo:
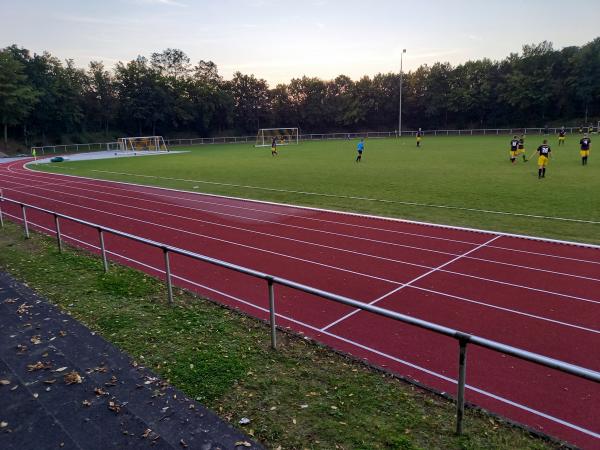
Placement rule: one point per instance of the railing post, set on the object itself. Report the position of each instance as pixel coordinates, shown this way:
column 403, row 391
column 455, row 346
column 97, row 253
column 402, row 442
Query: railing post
column 462, row 374
column 103, row 249
column 1, row 218
column 25, row 224
column 168, row 275
column 272, row 313
column 58, row 236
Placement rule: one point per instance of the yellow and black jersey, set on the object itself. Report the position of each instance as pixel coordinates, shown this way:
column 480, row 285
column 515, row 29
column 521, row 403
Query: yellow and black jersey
column 585, row 143
column 544, row 150
column 561, row 133
column 521, row 144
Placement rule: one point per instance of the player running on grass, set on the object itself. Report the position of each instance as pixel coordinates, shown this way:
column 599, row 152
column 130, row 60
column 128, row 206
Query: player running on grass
column 514, row 149
column 360, row 147
column 274, row 146
column 561, row 136
column 584, row 144
column 544, row 155
column 522, row 148
column 419, row 136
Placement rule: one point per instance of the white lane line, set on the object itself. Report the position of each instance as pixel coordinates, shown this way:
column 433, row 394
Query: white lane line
column 404, row 285
column 142, row 189
column 346, row 340
column 361, row 274
column 350, row 197
column 175, row 206
column 422, row 266
column 489, row 280
column 502, row 308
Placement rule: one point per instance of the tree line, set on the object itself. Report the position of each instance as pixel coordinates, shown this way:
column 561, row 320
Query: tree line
column 45, row 100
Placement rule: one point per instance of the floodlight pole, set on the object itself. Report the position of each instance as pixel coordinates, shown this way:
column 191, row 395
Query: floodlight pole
column 400, row 102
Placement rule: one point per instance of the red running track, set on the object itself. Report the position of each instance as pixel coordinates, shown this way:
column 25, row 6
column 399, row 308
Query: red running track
column 537, row 295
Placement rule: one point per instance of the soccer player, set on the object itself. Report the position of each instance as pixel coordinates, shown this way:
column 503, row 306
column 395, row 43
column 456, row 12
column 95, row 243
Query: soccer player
column 544, row 154
column 360, row 147
column 514, row 149
column 419, row 136
column 274, row 146
column 561, row 136
column 522, row 147
column 584, row 145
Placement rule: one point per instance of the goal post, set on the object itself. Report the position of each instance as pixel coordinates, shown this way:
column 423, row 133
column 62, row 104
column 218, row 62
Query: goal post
column 283, row 136
column 143, row 143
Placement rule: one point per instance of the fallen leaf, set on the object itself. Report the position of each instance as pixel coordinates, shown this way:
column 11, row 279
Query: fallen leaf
column 52, row 381
column 244, row 421
column 73, row 378
column 4, row 382
column 147, row 433
column 294, row 421
column 116, row 408
column 243, row 444
column 36, row 395
column 86, row 403
column 38, row 366
column 3, row 424
column 62, row 333
column 61, row 369
column 21, row 348
column 23, row 309
column 35, row 340
column 99, row 391
column 183, row 443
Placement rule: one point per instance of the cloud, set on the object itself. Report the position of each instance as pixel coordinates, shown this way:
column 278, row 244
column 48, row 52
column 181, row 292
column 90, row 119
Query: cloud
column 97, row 20
column 163, row 2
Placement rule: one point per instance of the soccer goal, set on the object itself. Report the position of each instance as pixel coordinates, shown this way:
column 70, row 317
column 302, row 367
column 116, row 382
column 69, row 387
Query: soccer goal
column 143, row 143
column 282, row 136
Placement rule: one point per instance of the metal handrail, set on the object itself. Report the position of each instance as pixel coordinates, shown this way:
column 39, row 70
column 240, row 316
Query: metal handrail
column 462, row 338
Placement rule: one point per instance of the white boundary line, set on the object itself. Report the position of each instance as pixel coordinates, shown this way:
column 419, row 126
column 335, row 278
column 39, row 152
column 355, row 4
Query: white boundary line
column 278, row 236
column 106, row 185
column 174, row 205
column 349, row 341
column 387, row 259
column 414, row 280
column 350, row 197
column 308, row 208
column 341, row 269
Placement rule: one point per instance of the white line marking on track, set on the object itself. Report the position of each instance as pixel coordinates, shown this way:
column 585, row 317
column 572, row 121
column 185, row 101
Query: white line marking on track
column 395, row 282
column 173, row 205
column 350, row 197
column 24, row 168
column 404, row 285
column 504, row 283
column 343, row 339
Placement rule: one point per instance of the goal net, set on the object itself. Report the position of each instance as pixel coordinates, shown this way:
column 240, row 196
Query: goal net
column 143, row 143
column 283, row 136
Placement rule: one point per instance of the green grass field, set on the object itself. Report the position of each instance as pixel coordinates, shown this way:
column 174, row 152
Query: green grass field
column 460, row 172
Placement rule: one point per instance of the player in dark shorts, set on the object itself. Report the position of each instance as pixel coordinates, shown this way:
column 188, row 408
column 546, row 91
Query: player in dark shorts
column 521, row 150
column 544, row 155
column 274, row 146
column 561, row 136
column 360, row 147
column 584, row 149
column 514, row 149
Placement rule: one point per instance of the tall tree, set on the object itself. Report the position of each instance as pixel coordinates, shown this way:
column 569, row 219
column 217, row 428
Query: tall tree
column 17, row 97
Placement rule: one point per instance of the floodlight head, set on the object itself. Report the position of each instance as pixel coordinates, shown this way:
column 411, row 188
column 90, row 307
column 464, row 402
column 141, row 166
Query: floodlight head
column 403, row 50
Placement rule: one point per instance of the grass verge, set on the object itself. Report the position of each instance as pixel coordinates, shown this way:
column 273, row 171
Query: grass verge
column 301, row 396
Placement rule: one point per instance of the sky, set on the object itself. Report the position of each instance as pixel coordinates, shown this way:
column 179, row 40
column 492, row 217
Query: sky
column 280, row 40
